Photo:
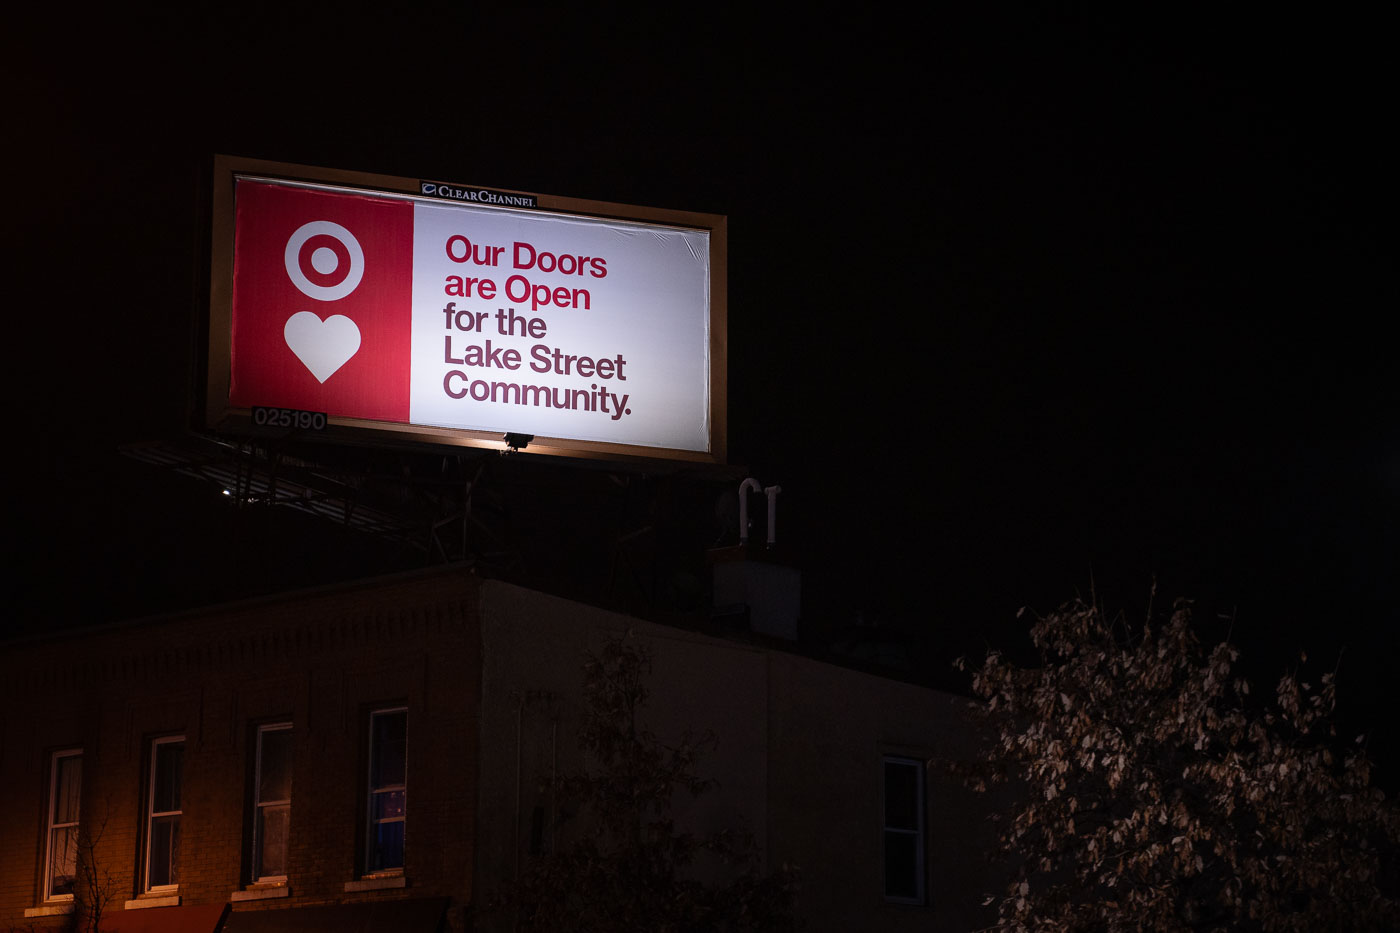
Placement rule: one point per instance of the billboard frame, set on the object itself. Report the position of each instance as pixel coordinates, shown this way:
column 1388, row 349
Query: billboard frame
column 220, row 415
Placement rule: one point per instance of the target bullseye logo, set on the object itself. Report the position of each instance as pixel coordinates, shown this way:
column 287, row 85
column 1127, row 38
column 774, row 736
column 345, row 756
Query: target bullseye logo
column 324, row 260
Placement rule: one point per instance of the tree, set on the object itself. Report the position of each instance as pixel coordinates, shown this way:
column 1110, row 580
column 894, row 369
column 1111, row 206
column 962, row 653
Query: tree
column 1154, row 793
column 96, row 886
column 632, row 868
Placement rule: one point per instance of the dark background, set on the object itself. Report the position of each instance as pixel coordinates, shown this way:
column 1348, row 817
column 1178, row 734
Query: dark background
column 1022, row 304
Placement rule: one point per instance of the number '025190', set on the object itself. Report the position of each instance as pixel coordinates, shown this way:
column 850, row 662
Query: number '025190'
column 264, row 416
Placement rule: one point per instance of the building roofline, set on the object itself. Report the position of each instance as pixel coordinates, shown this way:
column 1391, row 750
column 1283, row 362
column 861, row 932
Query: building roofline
column 231, row 607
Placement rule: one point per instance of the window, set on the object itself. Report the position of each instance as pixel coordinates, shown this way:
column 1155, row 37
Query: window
column 163, row 807
column 388, row 789
column 272, row 802
column 61, row 839
column 904, row 830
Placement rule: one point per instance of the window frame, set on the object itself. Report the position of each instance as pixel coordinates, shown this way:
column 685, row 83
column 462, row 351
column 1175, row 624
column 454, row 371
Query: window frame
column 51, row 824
column 258, row 805
column 371, row 791
column 152, row 814
column 919, row 832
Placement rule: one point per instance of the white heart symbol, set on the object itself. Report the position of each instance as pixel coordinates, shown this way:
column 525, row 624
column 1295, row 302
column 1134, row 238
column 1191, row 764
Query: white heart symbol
column 322, row 346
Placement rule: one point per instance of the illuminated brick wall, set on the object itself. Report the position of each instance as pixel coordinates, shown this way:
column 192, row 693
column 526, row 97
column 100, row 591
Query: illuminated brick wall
column 321, row 661
column 490, row 676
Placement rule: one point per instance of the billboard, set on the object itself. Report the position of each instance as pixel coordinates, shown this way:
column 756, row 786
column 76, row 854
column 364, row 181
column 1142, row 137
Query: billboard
column 394, row 307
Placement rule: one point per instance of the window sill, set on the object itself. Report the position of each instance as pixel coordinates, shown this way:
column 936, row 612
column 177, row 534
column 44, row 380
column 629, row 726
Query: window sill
column 375, row 884
column 49, row 910
column 259, row 892
column 159, row 900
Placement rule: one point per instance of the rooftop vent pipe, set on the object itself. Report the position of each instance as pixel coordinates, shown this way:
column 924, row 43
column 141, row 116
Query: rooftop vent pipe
column 753, row 485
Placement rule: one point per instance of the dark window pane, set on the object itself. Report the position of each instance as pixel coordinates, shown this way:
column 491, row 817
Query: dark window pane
column 388, row 746
column 275, row 767
column 169, row 764
column 386, row 846
column 63, row 860
column 901, row 865
column 272, row 840
column 165, row 851
column 901, row 795
column 68, row 782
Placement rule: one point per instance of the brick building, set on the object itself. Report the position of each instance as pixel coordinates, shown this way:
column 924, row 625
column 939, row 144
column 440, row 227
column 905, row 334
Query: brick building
column 377, row 756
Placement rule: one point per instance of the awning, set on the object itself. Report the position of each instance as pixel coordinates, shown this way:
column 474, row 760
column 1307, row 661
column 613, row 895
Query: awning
column 195, row 918
column 415, row 915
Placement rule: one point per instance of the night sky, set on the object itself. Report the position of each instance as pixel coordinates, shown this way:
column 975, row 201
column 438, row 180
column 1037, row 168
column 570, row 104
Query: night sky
column 1020, row 302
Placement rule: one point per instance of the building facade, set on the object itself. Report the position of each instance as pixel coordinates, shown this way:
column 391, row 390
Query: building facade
column 380, row 756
